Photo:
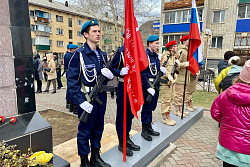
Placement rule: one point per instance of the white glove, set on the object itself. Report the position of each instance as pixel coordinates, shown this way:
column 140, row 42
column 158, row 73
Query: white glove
column 170, row 78
column 86, row 106
column 107, row 73
column 177, row 62
column 124, row 71
column 163, row 70
column 186, row 64
column 151, row 91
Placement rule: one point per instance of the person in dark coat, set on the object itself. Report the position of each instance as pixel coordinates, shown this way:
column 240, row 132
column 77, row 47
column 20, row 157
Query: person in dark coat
column 38, row 72
column 148, row 77
column 118, row 69
column 85, row 65
column 57, row 61
column 224, row 63
column 234, row 72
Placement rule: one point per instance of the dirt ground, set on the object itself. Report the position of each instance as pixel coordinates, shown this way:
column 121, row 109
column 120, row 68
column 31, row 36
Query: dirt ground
column 64, row 126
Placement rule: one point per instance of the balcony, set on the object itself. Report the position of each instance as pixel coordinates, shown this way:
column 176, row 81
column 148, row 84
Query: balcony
column 41, row 20
column 244, row 1
column 182, row 4
column 42, row 33
column 42, row 47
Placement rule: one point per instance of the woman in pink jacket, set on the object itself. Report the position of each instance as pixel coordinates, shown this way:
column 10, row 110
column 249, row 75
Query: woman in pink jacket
column 232, row 109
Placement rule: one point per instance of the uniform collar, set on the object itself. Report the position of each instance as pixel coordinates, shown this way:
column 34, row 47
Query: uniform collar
column 88, row 50
column 150, row 53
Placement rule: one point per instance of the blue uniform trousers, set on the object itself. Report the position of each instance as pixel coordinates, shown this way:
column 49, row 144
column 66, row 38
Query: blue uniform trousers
column 92, row 131
column 119, row 111
column 146, row 113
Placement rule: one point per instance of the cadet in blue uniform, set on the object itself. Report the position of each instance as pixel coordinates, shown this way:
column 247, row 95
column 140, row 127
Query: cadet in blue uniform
column 149, row 75
column 118, row 69
column 84, row 67
column 69, row 102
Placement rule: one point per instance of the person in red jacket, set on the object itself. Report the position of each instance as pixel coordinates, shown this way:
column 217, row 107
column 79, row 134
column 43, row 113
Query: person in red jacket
column 232, row 109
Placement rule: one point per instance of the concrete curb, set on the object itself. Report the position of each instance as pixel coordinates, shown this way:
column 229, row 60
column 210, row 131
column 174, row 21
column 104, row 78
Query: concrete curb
column 160, row 158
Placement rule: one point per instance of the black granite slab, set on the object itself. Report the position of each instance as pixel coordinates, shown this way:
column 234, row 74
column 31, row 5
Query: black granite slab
column 25, row 124
column 24, row 79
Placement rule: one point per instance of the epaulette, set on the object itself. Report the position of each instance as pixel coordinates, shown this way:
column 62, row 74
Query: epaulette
column 80, row 49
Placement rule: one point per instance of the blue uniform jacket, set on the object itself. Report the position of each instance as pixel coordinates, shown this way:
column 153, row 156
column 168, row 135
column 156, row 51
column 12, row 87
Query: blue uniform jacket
column 145, row 74
column 75, row 73
column 117, row 63
column 67, row 58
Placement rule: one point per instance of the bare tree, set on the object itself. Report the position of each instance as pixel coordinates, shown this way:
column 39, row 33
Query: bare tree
column 145, row 10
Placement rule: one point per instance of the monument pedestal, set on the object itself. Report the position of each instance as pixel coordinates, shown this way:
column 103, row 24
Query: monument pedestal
column 32, row 131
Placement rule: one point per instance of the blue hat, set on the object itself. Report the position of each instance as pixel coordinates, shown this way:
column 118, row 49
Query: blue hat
column 153, row 38
column 68, row 45
column 88, row 24
column 72, row 46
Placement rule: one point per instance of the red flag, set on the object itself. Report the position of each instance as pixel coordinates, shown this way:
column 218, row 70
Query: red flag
column 135, row 58
column 195, row 53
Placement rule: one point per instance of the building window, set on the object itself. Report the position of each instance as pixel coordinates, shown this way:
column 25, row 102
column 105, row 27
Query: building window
column 70, row 22
column 219, row 17
column 50, row 42
column 217, row 42
column 33, row 27
column 80, row 45
column 59, row 18
column 181, row 16
column 244, row 12
column 60, row 43
column 167, row 38
column 33, row 40
column 59, row 31
column 79, row 34
column 242, row 39
column 79, row 22
column 42, row 40
column 32, row 13
column 70, row 34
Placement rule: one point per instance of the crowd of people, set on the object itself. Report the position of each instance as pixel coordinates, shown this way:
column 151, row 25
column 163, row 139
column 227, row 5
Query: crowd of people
column 83, row 66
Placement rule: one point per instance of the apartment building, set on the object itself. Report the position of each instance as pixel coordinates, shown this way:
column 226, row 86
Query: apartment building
column 54, row 25
column 229, row 22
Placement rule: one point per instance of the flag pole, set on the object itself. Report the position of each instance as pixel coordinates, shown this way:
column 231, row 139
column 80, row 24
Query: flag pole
column 124, row 117
column 185, row 84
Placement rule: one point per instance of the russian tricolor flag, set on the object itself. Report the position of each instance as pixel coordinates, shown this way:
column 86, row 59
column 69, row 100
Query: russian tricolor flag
column 195, row 53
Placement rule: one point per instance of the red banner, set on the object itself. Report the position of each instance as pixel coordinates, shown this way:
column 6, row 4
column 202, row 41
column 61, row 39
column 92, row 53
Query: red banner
column 135, row 58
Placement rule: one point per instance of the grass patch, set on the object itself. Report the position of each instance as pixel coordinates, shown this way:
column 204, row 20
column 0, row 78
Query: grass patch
column 203, row 98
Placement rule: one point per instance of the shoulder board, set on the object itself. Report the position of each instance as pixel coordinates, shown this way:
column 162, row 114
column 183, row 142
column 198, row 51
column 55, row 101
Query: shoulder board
column 80, row 49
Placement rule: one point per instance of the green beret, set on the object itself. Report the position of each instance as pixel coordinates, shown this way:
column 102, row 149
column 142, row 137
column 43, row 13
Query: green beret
column 88, row 24
column 153, row 38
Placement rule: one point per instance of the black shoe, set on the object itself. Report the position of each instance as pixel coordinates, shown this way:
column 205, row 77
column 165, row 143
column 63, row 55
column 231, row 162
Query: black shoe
column 131, row 145
column 85, row 161
column 152, row 132
column 75, row 109
column 53, row 92
column 96, row 160
column 67, row 104
column 71, row 107
column 145, row 133
column 58, row 87
column 120, row 147
column 46, row 91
